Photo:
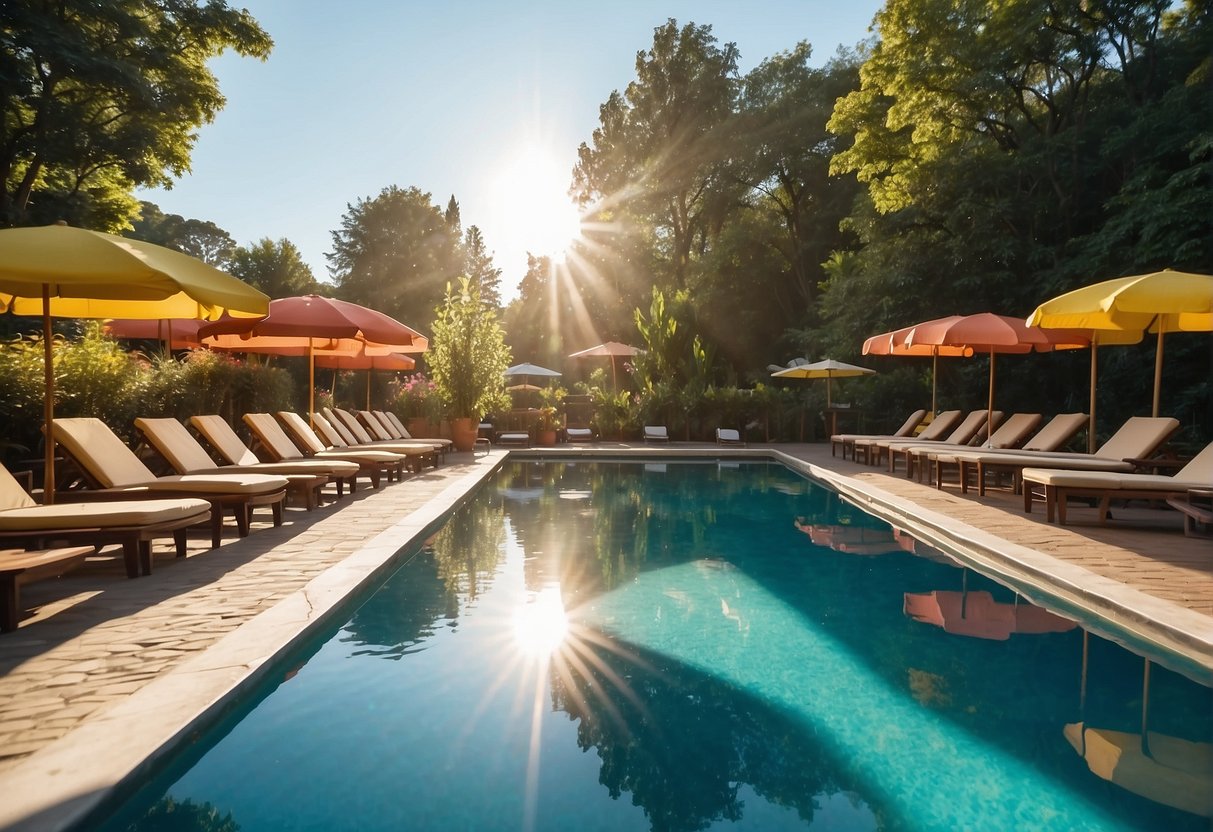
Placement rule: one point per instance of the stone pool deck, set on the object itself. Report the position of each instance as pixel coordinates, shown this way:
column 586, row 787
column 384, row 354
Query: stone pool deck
column 103, row 670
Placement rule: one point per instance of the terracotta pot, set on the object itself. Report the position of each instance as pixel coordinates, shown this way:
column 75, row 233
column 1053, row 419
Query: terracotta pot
column 463, row 433
column 546, row 437
column 418, row 427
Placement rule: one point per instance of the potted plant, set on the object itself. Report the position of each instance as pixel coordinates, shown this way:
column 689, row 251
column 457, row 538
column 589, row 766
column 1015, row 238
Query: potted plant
column 546, row 424
column 468, row 359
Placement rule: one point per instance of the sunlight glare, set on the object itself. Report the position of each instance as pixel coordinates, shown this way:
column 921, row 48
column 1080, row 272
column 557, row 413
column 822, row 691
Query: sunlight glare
column 541, row 625
column 532, row 199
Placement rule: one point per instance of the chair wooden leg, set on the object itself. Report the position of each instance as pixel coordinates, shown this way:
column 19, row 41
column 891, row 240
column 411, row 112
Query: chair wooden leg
column 276, row 508
column 981, row 479
column 145, row 556
column 242, row 513
column 180, row 542
column 130, row 556
column 216, row 525
column 1055, row 504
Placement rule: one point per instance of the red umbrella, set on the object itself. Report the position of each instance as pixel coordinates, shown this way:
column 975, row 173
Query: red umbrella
column 612, row 350
column 987, row 332
column 364, row 361
column 177, row 333
column 309, row 323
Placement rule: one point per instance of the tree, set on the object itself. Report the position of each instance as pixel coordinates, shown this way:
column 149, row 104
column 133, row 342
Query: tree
column 478, row 265
column 468, row 356
column 276, row 268
column 197, row 238
column 99, row 98
column 395, row 252
column 659, row 154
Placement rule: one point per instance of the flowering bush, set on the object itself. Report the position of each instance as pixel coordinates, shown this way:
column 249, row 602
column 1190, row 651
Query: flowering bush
column 417, row 397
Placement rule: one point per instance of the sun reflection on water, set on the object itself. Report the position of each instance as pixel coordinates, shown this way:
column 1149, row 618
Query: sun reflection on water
column 540, row 625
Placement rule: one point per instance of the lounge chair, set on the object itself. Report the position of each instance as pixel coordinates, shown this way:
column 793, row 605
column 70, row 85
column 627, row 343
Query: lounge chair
column 656, row 433
column 396, row 427
column 940, row 426
column 181, row 450
column 1138, row 438
column 228, row 444
column 18, row 567
column 356, row 434
column 579, row 434
column 1060, row 485
column 1055, row 434
column 390, row 430
column 514, row 437
column 728, row 436
column 1010, row 434
column 971, row 429
column 114, row 471
column 847, row 440
column 302, row 443
column 338, row 438
column 133, row 524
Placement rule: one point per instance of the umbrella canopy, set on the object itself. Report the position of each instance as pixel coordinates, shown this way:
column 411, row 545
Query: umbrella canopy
column 894, row 343
column 525, row 371
column 827, row 369
column 176, row 333
column 990, row 333
column 1159, row 302
column 311, row 323
column 71, row 272
column 612, row 350
column 364, row 360
column 523, row 388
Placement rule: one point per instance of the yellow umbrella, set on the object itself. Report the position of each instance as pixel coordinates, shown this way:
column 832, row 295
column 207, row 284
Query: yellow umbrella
column 60, row 271
column 1159, row 302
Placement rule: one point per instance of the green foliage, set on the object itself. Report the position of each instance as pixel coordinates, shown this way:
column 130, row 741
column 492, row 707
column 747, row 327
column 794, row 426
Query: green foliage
column 395, row 252
column 197, row 238
column 468, row 356
column 276, row 268
column 210, row 382
column 99, row 98
column 171, row 815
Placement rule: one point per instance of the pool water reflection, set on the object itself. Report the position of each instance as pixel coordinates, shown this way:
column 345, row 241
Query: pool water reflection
column 609, row 646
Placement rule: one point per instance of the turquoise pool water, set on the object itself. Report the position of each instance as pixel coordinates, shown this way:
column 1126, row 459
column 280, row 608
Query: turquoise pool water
column 610, row 646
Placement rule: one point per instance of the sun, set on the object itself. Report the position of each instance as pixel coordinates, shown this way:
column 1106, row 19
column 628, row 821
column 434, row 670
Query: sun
column 531, row 192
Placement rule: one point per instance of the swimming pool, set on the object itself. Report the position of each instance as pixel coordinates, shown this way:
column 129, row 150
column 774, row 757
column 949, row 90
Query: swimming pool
column 683, row 646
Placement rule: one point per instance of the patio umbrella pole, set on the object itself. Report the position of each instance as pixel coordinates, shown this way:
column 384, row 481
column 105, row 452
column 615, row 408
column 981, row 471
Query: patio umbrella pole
column 311, row 380
column 368, row 388
column 1145, row 710
column 48, row 471
column 934, row 379
column 990, row 404
column 1091, row 421
column 1158, row 367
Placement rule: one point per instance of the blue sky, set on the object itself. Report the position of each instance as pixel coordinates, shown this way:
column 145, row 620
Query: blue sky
column 451, row 98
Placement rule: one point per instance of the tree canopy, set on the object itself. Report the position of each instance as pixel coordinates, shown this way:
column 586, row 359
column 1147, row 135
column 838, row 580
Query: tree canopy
column 99, row 98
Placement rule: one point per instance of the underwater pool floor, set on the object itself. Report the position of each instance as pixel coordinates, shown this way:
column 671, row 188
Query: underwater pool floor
column 106, row 669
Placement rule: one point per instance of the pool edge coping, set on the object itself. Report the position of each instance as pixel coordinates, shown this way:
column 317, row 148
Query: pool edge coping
column 63, row 784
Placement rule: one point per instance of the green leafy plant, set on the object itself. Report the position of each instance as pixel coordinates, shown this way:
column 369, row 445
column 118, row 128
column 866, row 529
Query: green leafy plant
column 468, row 356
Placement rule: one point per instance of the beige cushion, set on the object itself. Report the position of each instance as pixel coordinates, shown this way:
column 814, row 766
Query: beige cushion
column 1139, row 437
column 311, row 467
column 272, row 436
column 93, row 445
column 301, row 432
column 1079, row 462
column 360, row 456
column 1109, row 481
column 225, row 440
column 104, row 515
column 172, row 441
column 1058, row 431
column 217, row 484
column 12, row 495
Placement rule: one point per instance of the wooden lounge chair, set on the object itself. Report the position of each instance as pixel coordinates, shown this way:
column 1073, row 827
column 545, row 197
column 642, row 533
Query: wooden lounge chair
column 374, row 465
column 847, row 440
column 379, row 433
column 1010, row 434
column 230, row 447
column 398, row 430
column 1054, row 435
column 971, row 429
column 132, row 523
column 729, row 436
column 871, row 447
column 389, row 430
column 114, row 471
column 1060, row 485
column 19, row 567
column 356, row 435
column 514, row 437
column 337, row 438
column 1138, row 438
column 579, row 434
column 181, row 450
column 656, row 433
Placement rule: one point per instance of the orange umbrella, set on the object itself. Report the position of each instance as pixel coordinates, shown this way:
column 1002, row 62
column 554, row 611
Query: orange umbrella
column 987, row 332
column 306, row 324
column 364, row 361
column 894, row 343
column 177, row 333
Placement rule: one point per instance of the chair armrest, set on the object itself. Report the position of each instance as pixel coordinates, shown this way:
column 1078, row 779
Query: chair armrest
column 1158, row 465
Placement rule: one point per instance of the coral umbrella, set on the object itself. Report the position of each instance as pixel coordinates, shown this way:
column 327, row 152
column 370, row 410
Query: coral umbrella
column 990, row 333
column 612, row 350
column 305, row 324
column 393, row 362
column 1159, row 302
column 61, row 271
column 894, row 343
column 176, row 333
